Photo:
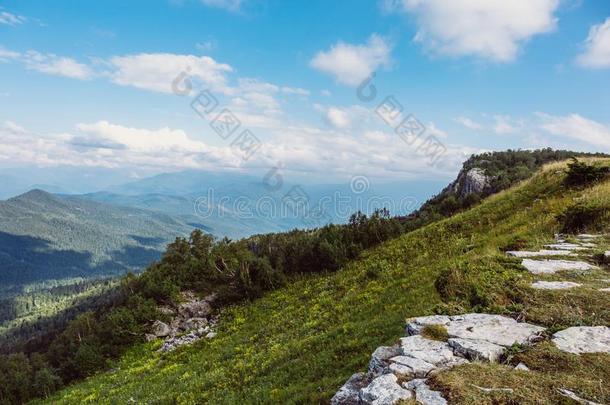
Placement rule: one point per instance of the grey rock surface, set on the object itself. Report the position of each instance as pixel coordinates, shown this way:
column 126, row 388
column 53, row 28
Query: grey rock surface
column 554, row 285
column 553, row 266
column 583, row 339
column 476, row 349
column 539, row 253
column 348, row 394
column 384, row 390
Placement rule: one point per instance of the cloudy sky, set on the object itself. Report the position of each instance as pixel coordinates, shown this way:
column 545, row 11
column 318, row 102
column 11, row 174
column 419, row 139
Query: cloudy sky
column 394, row 89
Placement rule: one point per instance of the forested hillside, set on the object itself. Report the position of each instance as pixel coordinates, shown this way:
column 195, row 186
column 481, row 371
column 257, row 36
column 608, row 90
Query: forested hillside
column 301, row 342
column 45, row 237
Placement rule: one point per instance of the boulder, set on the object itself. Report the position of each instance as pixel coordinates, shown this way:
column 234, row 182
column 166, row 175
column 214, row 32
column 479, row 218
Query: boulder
column 605, row 289
column 554, row 285
column 476, row 349
column 583, row 339
column 607, row 256
column 348, row 394
column 553, row 266
column 384, row 390
column 161, row 329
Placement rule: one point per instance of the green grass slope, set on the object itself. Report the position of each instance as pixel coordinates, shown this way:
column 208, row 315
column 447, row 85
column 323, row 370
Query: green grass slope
column 300, row 343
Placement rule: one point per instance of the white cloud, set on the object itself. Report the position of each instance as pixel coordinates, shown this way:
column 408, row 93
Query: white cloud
column 577, row 127
column 48, row 63
column 325, row 93
column 468, row 123
column 55, row 65
column 505, row 125
column 157, row 71
column 488, row 29
column 7, row 18
column 350, row 64
column 597, row 47
column 338, row 118
column 295, row 90
column 229, row 5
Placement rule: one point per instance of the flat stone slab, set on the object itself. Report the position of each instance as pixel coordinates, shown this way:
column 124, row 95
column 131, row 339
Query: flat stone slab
column 496, row 329
column 565, row 246
column 431, row 351
column 605, row 289
column 476, row 349
column 525, row 253
column 583, row 339
column 554, row 285
column 415, row 367
column 553, row 266
column 384, row 390
column 588, row 236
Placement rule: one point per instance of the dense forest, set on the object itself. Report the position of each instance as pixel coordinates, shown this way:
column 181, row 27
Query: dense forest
column 234, row 270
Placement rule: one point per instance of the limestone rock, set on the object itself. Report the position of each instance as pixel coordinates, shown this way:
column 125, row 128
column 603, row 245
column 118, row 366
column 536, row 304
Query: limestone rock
column 161, row 329
column 428, row 350
column 554, row 285
column 553, row 266
column 476, row 349
column 415, row 325
column 423, row 394
column 497, row 329
column 607, row 256
column 583, row 339
column 414, row 366
column 522, row 367
column 565, row 246
column 380, row 358
column 588, row 236
column 348, row 394
column 605, row 289
column 525, row 253
column 384, row 390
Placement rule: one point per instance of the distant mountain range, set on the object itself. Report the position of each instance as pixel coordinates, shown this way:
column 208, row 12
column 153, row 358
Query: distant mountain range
column 44, row 237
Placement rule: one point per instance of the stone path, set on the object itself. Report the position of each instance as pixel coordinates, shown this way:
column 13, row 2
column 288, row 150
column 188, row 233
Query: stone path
column 400, row 372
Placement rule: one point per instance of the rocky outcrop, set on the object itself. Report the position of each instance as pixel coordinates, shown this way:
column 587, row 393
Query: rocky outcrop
column 468, row 182
column 191, row 320
column 583, row 339
column 390, row 378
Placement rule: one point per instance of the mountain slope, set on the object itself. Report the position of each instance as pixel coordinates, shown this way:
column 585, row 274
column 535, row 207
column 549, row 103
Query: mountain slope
column 300, row 343
column 45, row 237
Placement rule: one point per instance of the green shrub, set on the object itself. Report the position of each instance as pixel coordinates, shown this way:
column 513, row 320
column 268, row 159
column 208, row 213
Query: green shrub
column 580, row 173
column 580, row 217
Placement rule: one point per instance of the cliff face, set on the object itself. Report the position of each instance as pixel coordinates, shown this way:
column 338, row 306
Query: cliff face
column 468, row 182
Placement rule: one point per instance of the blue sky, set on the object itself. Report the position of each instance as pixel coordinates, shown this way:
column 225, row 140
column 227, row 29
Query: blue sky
column 88, row 84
